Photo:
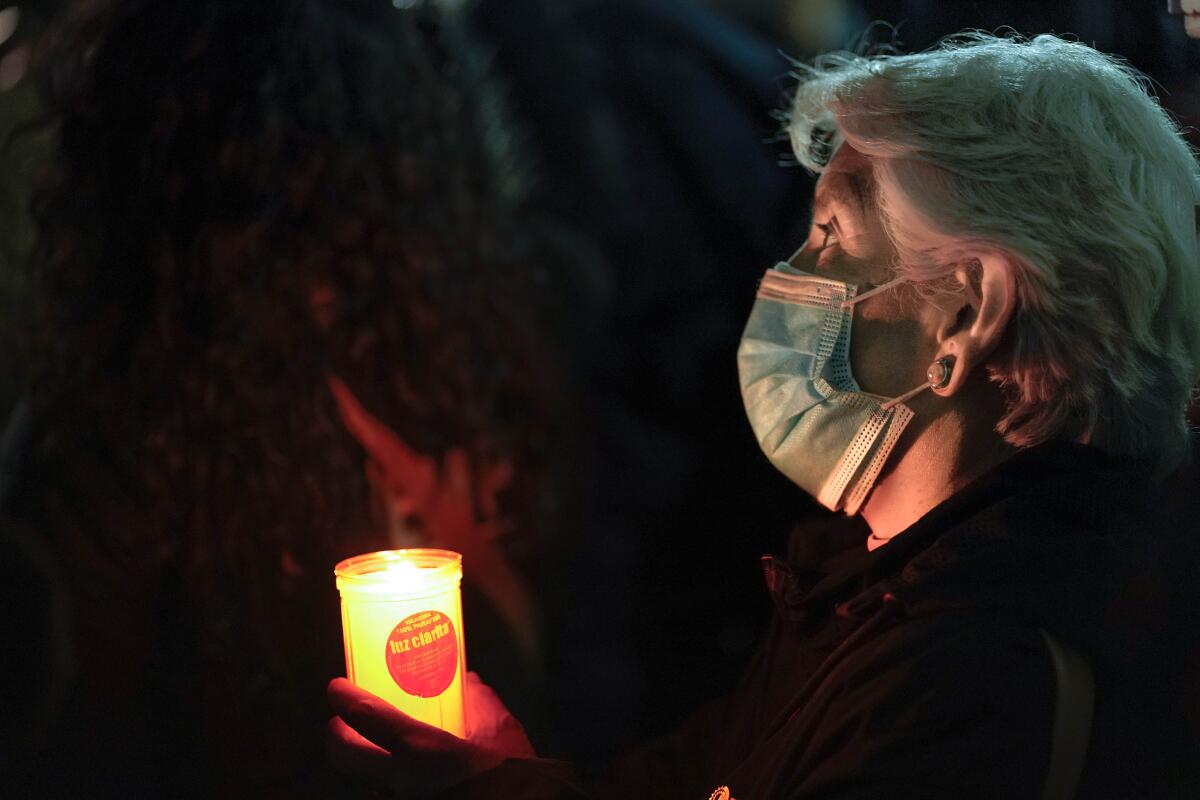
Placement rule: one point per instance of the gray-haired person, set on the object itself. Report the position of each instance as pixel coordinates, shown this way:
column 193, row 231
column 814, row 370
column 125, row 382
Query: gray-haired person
column 984, row 351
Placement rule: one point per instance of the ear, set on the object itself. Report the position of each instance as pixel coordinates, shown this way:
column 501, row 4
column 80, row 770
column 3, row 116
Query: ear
column 972, row 332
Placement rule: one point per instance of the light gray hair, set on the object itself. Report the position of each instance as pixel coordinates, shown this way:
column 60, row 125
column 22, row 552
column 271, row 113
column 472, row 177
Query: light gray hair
column 1055, row 157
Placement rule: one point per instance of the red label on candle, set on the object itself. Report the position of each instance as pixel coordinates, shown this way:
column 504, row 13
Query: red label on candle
column 422, row 653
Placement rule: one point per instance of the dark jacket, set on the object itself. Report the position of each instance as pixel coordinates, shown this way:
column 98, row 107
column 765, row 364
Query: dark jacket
column 918, row 670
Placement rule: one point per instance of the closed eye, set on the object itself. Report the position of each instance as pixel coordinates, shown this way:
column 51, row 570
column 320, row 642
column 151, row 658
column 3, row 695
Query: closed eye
column 829, row 232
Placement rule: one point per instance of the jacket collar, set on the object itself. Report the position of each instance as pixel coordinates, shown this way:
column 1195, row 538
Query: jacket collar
column 1063, row 535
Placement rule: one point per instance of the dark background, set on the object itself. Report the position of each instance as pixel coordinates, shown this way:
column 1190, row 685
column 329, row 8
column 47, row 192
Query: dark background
column 652, row 129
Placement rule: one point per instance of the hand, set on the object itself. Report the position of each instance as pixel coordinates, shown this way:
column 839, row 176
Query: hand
column 453, row 493
column 373, row 741
column 457, row 507
column 1190, row 9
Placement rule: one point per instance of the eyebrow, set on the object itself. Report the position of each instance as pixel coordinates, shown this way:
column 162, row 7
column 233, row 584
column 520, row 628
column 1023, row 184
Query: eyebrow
column 864, row 199
column 851, row 189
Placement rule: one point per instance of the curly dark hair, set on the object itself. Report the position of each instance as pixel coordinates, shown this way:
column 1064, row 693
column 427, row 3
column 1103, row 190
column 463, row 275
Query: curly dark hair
column 247, row 197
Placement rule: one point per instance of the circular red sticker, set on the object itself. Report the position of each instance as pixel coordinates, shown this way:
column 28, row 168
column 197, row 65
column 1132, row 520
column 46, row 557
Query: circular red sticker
column 422, row 653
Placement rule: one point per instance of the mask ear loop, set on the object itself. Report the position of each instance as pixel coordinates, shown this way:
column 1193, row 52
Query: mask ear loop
column 939, row 378
column 939, row 371
column 791, row 259
column 880, row 289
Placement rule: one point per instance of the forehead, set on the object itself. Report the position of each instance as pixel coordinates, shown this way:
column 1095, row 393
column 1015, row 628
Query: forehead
column 849, row 179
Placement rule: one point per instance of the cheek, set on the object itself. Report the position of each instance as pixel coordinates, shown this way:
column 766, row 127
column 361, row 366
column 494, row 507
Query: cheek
column 889, row 356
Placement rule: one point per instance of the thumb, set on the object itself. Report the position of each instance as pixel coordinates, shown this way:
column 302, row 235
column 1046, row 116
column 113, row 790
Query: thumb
column 490, row 724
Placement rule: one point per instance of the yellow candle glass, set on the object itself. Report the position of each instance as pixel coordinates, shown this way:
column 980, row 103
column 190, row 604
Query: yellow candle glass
column 402, row 627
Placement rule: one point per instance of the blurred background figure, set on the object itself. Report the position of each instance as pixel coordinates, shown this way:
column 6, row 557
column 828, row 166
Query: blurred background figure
column 1190, row 11
column 654, row 127
column 22, row 152
column 165, row 228
column 801, row 27
column 248, row 208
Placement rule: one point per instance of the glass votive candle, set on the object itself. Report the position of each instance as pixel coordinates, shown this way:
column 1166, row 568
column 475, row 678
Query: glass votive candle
column 402, row 628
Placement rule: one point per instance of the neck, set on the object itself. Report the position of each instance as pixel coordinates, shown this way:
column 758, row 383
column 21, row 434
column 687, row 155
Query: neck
column 943, row 457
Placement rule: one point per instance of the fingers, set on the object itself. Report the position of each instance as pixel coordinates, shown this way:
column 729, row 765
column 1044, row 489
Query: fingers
column 406, row 469
column 491, row 726
column 372, row 717
column 480, row 698
column 375, row 437
column 406, row 774
column 375, row 741
column 484, row 710
column 356, row 756
column 431, row 489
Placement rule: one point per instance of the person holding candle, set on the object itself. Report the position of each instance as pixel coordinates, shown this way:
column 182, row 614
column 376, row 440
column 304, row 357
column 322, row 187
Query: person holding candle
column 255, row 214
column 982, row 356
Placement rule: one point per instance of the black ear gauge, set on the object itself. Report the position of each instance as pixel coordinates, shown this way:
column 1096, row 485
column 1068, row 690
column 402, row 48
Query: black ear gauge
column 939, row 372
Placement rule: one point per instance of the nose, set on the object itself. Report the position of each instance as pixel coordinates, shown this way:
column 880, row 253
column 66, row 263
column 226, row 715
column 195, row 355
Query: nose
column 807, row 258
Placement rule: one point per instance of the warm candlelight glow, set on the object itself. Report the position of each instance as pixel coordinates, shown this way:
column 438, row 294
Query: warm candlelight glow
column 402, row 627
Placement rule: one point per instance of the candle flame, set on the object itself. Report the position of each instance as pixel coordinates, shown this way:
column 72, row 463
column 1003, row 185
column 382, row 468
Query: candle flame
column 405, row 575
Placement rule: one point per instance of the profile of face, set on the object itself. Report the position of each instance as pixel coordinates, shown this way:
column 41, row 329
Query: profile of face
column 895, row 334
column 915, row 356
column 1190, row 10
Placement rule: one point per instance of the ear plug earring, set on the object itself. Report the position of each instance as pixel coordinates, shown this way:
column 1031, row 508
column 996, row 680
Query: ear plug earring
column 939, row 372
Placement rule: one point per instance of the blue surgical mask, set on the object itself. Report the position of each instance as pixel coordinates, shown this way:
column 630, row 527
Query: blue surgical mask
column 810, row 416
